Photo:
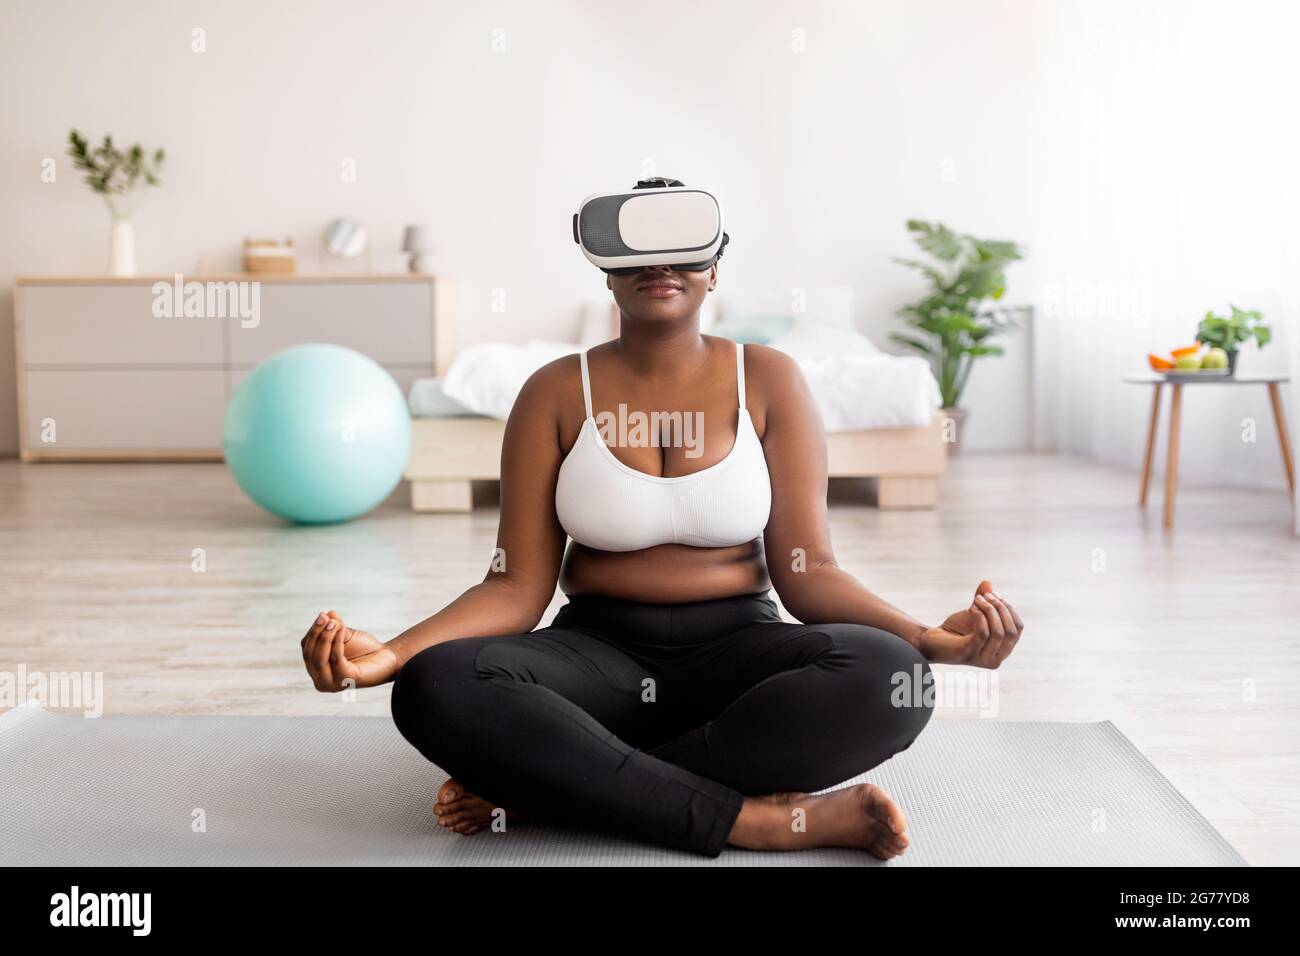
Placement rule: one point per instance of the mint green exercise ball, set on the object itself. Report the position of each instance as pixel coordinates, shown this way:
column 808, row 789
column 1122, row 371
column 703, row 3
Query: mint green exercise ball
column 317, row 434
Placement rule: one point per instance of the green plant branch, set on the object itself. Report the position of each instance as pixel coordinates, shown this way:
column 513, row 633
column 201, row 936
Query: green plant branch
column 960, row 314
column 112, row 172
column 1229, row 331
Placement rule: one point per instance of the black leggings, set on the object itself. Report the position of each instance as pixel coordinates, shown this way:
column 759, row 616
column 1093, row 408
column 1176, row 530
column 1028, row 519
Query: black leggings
column 658, row 719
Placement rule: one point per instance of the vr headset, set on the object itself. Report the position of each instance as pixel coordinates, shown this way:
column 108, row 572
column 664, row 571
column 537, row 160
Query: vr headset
column 659, row 223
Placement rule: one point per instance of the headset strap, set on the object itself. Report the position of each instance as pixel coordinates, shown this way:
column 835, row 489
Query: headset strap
column 657, row 182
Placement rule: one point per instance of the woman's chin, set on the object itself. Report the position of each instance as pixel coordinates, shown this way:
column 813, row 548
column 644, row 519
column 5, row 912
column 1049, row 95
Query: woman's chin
column 666, row 312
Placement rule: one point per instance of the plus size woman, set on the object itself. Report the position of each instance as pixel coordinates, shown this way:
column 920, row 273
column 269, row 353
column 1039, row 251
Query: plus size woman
column 667, row 699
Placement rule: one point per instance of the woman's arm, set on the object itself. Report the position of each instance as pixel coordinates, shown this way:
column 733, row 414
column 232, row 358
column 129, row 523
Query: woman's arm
column 801, row 561
column 521, row 576
column 520, row 582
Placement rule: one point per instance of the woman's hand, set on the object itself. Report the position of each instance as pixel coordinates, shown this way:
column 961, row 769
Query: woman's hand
column 336, row 654
column 982, row 635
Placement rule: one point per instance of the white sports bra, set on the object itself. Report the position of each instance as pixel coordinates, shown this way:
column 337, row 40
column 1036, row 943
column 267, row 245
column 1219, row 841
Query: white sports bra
column 604, row 504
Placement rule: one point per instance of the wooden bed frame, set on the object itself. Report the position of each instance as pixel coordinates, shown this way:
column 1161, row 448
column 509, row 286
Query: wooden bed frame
column 448, row 454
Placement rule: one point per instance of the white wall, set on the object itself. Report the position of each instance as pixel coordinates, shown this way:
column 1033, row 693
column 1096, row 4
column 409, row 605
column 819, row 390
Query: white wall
column 1166, row 187
column 1139, row 146
column 896, row 109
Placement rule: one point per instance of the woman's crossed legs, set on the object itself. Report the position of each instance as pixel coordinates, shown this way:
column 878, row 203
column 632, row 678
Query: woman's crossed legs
column 666, row 742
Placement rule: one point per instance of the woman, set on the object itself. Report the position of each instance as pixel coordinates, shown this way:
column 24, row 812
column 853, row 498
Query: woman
column 668, row 699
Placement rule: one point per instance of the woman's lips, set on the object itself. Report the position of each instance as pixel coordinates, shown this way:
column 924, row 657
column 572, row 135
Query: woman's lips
column 659, row 291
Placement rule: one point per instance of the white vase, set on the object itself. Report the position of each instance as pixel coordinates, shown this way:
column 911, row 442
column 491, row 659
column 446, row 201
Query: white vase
column 121, row 249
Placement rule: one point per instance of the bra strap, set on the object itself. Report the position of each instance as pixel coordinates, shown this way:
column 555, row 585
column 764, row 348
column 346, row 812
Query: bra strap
column 740, row 372
column 586, row 383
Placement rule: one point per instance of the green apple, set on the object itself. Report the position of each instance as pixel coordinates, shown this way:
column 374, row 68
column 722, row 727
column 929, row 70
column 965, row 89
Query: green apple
column 1188, row 363
column 1215, row 358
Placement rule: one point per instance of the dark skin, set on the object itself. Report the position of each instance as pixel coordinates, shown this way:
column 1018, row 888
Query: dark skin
column 661, row 362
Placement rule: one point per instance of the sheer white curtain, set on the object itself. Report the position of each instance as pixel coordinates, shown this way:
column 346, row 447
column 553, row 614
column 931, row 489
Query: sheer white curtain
column 1167, row 186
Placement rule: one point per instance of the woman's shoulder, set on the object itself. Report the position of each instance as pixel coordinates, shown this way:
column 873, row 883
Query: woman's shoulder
column 554, row 381
column 770, row 371
column 758, row 358
column 775, row 383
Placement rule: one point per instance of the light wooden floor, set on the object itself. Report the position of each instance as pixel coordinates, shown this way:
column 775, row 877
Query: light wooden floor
column 1189, row 641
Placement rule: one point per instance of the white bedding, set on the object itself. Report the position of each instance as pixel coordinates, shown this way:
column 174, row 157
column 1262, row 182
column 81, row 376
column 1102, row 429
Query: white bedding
column 855, row 385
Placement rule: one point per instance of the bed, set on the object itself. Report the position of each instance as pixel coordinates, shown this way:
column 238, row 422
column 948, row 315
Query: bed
column 881, row 412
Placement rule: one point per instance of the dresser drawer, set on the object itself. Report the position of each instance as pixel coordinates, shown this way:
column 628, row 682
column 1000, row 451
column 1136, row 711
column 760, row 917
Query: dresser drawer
column 111, row 325
column 119, row 410
column 392, row 322
column 114, row 380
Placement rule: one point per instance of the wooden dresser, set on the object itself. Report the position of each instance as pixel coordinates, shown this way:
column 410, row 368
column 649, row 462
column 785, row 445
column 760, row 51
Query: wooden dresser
column 129, row 369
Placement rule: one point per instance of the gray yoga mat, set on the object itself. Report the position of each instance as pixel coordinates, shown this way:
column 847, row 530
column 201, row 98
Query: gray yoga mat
column 350, row 790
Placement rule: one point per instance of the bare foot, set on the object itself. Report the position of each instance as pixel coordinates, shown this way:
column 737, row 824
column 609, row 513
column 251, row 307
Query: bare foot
column 783, row 798
column 465, row 813
column 862, row 816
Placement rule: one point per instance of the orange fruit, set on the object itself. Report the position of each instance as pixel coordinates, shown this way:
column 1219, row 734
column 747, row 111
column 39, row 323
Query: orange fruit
column 1185, row 350
column 1159, row 363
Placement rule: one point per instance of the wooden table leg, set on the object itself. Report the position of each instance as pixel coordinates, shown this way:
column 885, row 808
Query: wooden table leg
column 1283, row 438
column 1151, row 444
column 1171, row 467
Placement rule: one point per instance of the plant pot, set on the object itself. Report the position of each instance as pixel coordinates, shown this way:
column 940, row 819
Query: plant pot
column 121, row 249
column 1232, row 361
column 954, row 425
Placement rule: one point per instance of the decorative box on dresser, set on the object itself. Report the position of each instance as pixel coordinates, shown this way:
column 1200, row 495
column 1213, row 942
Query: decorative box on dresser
column 113, row 369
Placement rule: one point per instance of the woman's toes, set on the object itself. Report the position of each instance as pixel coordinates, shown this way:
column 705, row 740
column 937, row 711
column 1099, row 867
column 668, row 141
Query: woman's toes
column 886, row 848
column 450, row 790
column 449, row 814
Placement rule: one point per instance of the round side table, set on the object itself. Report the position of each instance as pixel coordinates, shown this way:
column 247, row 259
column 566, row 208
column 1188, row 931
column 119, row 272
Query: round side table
column 1175, row 414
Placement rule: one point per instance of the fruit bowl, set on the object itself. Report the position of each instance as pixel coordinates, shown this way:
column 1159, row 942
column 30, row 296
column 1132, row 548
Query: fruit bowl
column 1189, row 363
column 1192, row 374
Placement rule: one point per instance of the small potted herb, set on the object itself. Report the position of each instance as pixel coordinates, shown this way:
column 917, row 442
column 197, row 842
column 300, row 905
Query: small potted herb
column 1227, row 332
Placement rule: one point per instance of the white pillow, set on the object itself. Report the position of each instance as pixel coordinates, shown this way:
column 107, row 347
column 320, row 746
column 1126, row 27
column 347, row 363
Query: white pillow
column 486, row 378
column 834, row 304
column 814, row 338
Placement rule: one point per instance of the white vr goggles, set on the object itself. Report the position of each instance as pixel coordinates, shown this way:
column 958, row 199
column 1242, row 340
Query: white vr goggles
column 659, row 223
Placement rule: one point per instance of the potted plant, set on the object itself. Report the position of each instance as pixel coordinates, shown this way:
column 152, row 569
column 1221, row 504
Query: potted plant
column 1227, row 332
column 119, row 176
column 962, row 312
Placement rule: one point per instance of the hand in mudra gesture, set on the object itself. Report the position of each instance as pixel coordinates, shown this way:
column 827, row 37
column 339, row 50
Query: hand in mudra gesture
column 336, row 654
column 982, row 635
